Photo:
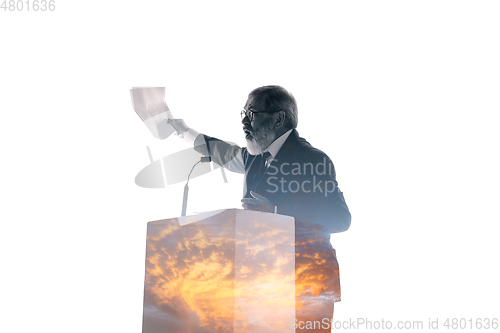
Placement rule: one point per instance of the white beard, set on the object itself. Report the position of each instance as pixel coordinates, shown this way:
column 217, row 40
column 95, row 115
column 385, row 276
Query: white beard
column 253, row 147
column 260, row 140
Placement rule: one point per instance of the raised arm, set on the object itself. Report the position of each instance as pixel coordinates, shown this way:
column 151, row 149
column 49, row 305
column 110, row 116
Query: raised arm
column 225, row 154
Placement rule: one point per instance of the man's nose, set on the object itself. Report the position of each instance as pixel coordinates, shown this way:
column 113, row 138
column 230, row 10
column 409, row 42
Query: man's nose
column 245, row 120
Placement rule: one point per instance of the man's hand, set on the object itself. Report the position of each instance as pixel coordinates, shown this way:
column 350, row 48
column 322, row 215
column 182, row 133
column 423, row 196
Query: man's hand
column 258, row 202
column 179, row 125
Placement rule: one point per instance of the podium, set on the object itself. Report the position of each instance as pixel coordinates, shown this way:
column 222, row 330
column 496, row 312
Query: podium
column 225, row 271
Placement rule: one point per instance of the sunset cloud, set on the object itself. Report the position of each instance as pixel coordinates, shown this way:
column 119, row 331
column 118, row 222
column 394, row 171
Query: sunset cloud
column 232, row 272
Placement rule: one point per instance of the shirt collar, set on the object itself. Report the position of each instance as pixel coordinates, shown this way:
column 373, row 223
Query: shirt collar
column 275, row 147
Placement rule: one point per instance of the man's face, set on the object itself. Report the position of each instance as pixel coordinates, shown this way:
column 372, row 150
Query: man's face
column 259, row 132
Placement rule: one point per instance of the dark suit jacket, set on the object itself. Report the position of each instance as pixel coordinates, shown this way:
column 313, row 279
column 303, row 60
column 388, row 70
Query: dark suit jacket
column 301, row 182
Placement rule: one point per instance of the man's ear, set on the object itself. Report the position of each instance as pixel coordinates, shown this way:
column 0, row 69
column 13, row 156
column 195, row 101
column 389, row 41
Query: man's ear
column 280, row 119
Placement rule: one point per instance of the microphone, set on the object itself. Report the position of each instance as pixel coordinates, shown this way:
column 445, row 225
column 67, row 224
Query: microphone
column 204, row 159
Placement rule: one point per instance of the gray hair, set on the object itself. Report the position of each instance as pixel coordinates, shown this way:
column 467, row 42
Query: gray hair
column 277, row 98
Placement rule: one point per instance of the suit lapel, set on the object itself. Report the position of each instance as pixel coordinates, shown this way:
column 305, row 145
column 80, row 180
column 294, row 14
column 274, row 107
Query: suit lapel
column 251, row 174
column 285, row 154
column 259, row 182
column 288, row 148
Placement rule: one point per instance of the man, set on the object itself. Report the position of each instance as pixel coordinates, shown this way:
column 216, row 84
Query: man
column 285, row 174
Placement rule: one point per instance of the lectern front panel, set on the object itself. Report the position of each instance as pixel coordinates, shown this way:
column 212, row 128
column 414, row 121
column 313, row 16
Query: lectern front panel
column 230, row 272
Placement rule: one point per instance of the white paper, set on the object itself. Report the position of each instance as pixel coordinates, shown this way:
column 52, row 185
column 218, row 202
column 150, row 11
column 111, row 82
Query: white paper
column 150, row 105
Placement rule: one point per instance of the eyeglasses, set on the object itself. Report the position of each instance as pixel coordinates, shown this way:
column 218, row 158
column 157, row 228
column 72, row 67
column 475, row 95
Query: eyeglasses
column 250, row 114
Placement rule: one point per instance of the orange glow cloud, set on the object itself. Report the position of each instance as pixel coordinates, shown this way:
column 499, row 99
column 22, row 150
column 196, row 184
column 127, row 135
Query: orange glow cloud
column 222, row 275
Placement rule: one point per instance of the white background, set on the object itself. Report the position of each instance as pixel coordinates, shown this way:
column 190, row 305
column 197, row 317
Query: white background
column 402, row 95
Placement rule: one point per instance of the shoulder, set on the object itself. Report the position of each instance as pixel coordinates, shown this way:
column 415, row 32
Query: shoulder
column 299, row 148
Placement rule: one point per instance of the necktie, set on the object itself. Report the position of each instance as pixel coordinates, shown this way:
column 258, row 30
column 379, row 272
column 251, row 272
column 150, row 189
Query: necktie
column 265, row 157
column 263, row 164
column 260, row 170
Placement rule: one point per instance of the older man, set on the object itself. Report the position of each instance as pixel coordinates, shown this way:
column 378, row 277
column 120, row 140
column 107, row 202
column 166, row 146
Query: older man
column 285, row 174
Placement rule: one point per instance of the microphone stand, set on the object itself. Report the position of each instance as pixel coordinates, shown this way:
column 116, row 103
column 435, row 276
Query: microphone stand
column 204, row 159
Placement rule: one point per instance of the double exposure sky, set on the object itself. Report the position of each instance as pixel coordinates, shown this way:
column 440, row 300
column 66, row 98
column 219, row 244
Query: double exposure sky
column 218, row 275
